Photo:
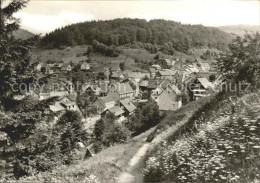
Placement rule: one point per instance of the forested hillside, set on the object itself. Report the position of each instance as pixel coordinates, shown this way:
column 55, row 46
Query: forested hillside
column 22, row 34
column 117, row 32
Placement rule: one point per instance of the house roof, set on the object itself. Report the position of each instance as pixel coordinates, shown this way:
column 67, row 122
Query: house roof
column 205, row 66
column 85, row 64
column 151, row 69
column 144, row 83
column 167, row 72
column 156, row 66
column 152, row 84
column 116, row 110
column 191, row 68
column 128, row 105
column 65, row 65
column 57, row 107
column 131, row 74
column 168, row 61
column 68, row 103
column 123, row 88
column 164, row 84
column 174, row 88
column 72, row 97
column 167, row 101
column 115, row 74
column 205, row 83
column 106, row 99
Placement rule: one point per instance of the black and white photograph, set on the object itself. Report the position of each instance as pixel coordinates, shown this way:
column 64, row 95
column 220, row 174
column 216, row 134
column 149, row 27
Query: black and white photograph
column 130, row 91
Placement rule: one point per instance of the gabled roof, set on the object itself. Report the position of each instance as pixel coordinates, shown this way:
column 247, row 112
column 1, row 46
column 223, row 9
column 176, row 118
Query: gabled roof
column 107, row 99
column 116, row 110
column 164, row 84
column 84, row 64
column 152, row 84
column 57, row 107
column 130, row 107
column 65, row 65
column 69, row 103
column 72, row 97
column 174, row 88
column 168, row 61
column 115, row 74
column 166, row 72
column 205, row 66
column 131, row 74
column 151, row 69
column 191, row 68
column 156, row 66
column 144, row 83
column 205, row 83
column 123, row 88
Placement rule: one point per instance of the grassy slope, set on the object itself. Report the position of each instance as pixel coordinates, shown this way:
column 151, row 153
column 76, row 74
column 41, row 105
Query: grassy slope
column 104, row 166
column 128, row 55
column 192, row 139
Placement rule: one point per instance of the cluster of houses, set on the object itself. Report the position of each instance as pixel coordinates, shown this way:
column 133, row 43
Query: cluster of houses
column 119, row 92
column 59, row 67
column 193, row 79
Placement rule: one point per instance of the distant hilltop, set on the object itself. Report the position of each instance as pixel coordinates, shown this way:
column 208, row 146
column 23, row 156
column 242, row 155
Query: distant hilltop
column 240, row 30
column 22, row 34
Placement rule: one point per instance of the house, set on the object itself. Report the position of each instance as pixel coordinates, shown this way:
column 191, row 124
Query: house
column 157, row 67
column 152, row 72
column 38, row 67
column 177, row 77
column 189, row 69
column 135, row 76
column 48, row 69
column 103, row 88
column 165, row 63
column 103, row 103
column 160, row 88
column 91, row 89
column 127, row 106
column 85, row 66
column 117, row 111
column 165, row 74
column 205, row 67
column 116, row 75
column 143, row 85
column 121, row 91
column 56, row 107
column 65, row 103
column 201, row 88
column 152, row 85
column 169, row 99
column 66, row 67
column 56, row 67
column 70, row 105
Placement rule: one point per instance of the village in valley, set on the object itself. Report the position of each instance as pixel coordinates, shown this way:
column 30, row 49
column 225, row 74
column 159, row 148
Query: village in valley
column 169, row 82
column 130, row 98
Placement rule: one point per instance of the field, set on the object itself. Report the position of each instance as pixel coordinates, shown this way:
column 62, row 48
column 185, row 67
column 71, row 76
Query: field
column 99, row 62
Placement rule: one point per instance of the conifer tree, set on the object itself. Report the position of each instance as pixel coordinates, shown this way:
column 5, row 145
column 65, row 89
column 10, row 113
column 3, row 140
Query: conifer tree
column 15, row 64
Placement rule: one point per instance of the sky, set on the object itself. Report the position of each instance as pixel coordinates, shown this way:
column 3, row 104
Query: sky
column 45, row 16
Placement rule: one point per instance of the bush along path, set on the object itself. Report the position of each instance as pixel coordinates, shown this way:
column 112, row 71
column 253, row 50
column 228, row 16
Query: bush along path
column 225, row 148
column 170, row 125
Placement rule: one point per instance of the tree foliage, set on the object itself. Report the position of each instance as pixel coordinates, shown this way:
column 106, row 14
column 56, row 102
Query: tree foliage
column 145, row 117
column 15, row 65
column 172, row 35
column 242, row 61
